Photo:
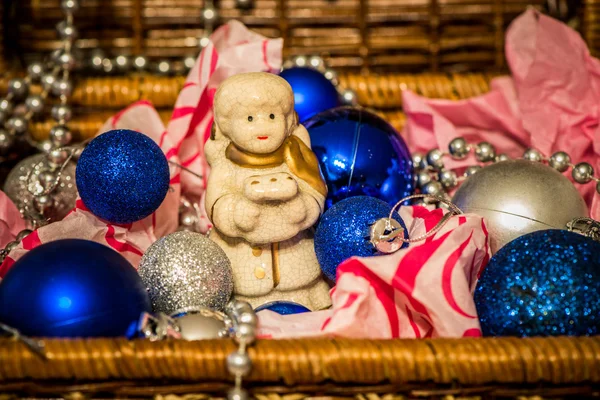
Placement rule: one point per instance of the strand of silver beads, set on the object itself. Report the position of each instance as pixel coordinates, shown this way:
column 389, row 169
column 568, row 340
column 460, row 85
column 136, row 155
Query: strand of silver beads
column 317, row 63
column 20, row 106
column 431, row 177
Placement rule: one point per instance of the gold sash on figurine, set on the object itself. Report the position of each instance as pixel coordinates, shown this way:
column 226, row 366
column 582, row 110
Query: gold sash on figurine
column 299, row 158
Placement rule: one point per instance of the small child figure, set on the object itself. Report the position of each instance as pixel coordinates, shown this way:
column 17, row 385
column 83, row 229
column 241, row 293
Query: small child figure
column 265, row 192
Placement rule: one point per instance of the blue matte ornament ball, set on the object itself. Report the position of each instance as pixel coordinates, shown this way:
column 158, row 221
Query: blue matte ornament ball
column 122, row 176
column 344, row 231
column 360, row 154
column 283, row 307
column 544, row 283
column 313, row 93
column 72, row 288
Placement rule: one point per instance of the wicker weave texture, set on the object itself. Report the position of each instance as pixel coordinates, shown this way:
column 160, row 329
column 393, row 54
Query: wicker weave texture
column 500, row 366
column 409, row 35
column 382, row 93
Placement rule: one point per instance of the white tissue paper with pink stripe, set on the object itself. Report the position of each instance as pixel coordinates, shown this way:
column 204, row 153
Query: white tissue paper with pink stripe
column 232, row 49
column 423, row 291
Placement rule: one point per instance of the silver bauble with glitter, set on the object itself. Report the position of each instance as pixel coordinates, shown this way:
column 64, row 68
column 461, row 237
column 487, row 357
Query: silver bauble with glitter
column 186, row 269
column 22, row 191
column 518, row 197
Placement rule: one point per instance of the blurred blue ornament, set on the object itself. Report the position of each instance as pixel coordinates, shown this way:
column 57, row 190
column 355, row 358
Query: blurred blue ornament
column 313, row 92
column 544, row 283
column 343, row 231
column 360, row 155
column 283, row 307
column 72, row 288
column 122, row 176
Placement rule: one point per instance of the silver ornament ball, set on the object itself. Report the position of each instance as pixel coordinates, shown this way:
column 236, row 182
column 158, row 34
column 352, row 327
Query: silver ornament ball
column 199, row 324
column 560, row 161
column 239, row 364
column 17, row 187
column 459, row 148
column 518, row 197
column 34, row 103
column 435, row 159
column 186, row 269
column 19, row 88
column 582, row 172
column 35, row 71
column 532, row 155
column 61, row 113
column 485, row 152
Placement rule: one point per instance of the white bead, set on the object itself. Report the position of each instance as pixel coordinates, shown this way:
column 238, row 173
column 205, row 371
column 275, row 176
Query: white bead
column 331, row 75
column 435, row 159
column 164, row 67
column 66, row 30
column 532, row 155
column 18, row 87
column 35, row 71
column 69, row 6
column 459, row 148
column 245, row 332
column 239, row 364
column 189, row 62
column 209, row 14
column 140, row 62
column 237, row 394
column 316, row 62
column 300, row 61
column 349, row 97
column 34, row 103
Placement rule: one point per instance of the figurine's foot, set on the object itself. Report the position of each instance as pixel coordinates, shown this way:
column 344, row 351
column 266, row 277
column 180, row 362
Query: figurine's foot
column 314, row 297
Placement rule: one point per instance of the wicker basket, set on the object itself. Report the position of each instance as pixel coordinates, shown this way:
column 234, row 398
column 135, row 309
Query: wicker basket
column 398, row 35
column 299, row 369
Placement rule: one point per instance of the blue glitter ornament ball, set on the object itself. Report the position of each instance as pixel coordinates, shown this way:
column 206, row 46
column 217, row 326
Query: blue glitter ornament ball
column 544, row 283
column 313, row 93
column 360, row 155
column 283, row 307
column 343, row 231
column 72, row 288
column 122, row 176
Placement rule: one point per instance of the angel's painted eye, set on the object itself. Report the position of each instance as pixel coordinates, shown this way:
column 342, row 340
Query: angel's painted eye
column 250, row 118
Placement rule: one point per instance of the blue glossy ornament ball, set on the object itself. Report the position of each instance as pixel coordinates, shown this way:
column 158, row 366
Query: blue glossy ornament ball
column 313, row 92
column 544, row 283
column 122, row 176
column 72, row 288
column 344, row 231
column 283, row 307
column 360, row 155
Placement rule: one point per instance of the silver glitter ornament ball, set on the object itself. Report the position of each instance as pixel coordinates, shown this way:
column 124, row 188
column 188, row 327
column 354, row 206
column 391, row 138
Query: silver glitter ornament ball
column 518, row 197
column 186, row 269
column 23, row 191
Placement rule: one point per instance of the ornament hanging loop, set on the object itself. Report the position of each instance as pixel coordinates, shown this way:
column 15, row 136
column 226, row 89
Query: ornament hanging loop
column 586, row 227
column 387, row 235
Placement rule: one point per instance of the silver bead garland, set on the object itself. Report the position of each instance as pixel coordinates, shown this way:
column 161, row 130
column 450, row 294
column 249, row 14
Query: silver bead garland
column 433, row 179
column 53, row 76
column 348, row 96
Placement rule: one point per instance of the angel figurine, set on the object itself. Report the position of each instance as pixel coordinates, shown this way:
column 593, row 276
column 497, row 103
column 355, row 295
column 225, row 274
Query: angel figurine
column 265, row 192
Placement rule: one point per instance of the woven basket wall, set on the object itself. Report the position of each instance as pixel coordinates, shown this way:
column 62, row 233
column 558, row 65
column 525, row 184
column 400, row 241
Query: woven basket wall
column 398, row 35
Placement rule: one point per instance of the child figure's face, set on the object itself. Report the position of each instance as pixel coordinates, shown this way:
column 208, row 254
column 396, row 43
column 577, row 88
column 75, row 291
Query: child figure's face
column 255, row 111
